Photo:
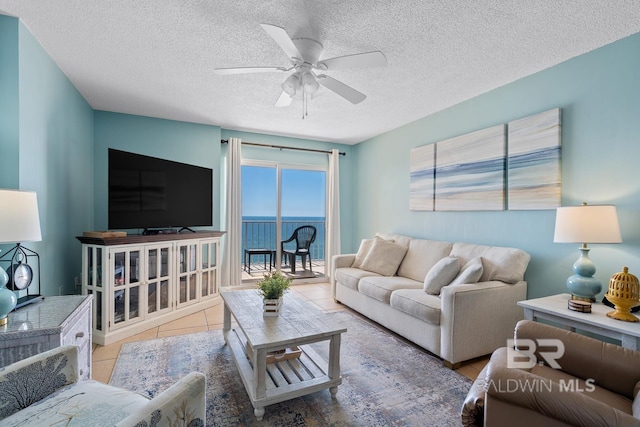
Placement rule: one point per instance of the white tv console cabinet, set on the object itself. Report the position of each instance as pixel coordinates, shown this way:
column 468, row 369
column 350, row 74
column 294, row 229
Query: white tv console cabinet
column 139, row 282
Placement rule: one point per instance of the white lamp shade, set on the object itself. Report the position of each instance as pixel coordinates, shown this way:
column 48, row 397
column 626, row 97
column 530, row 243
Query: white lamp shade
column 19, row 218
column 587, row 224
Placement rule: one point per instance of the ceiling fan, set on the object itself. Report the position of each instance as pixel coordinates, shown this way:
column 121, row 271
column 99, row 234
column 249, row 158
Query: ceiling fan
column 309, row 70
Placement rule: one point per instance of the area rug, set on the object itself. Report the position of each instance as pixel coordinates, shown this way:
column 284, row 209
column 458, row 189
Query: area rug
column 385, row 381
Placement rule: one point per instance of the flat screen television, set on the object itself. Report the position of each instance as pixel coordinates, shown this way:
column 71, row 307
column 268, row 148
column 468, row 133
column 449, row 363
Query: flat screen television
column 151, row 193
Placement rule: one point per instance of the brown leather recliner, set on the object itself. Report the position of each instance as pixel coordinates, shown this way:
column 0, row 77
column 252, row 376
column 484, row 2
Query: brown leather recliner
column 596, row 384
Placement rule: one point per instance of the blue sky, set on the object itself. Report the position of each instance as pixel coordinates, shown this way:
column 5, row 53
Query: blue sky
column 303, row 192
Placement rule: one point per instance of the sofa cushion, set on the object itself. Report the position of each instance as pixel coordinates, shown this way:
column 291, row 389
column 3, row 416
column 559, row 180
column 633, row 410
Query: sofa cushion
column 384, row 257
column 421, row 256
column 417, row 303
column 350, row 277
column 441, row 274
column 471, row 272
column 396, row 238
column 363, row 250
column 380, row 288
column 504, row 264
column 84, row 403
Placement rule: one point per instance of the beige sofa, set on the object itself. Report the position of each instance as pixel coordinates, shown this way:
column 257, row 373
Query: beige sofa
column 596, row 384
column 466, row 314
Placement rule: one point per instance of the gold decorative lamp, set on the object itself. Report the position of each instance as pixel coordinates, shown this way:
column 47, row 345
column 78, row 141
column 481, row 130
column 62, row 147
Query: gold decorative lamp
column 586, row 224
column 624, row 294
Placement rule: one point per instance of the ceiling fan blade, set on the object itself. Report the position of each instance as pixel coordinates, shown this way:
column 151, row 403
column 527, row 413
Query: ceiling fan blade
column 284, row 41
column 248, row 70
column 358, row 60
column 284, row 100
column 347, row 92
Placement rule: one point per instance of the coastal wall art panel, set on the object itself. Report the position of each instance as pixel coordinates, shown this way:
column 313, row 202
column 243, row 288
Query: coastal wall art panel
column 533, row 163
column 422, row 178
column 470, row 171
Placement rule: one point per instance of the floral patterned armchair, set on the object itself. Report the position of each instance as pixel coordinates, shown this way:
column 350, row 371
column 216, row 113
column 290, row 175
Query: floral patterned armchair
column 44, row 389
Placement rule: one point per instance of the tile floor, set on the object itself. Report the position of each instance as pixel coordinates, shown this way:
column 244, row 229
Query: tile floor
column 104, row 357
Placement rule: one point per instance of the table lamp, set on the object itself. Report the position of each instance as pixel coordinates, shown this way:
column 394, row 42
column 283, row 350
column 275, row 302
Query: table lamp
column 586, row 224
column 19, row 222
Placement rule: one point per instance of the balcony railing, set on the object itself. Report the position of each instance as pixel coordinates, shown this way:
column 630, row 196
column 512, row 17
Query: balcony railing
column 258, row 233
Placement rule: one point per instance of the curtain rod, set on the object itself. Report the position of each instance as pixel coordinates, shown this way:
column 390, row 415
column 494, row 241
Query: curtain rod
column 282, row 147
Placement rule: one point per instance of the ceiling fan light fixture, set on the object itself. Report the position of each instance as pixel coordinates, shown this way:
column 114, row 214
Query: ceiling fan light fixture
column 309, row 83
column 290, row 86
column 304, row 55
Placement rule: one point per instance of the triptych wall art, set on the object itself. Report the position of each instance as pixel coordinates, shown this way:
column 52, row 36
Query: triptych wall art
column 514, row 165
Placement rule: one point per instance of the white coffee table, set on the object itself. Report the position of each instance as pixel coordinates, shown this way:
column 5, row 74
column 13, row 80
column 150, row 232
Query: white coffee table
column 299, row 323
column 554, row 308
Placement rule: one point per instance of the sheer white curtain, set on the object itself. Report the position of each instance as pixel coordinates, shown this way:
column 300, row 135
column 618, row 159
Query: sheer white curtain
column 333, row 209
column 232, row 268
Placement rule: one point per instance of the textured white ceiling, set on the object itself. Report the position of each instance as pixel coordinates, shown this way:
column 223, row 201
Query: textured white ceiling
column 156, row 57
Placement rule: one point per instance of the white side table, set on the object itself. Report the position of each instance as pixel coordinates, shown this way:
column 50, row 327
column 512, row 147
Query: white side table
column 48, row 324
column 554, row 308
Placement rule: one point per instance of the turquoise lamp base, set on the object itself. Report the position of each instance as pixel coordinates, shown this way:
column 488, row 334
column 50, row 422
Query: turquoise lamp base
column 582, row 285
column 8, row 299
column 584, row 288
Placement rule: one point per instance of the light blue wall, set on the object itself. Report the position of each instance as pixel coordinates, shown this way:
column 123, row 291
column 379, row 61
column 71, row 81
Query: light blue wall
column 599, row 94
column 179, row 141
column 9, row 139
column 56, row 152
column 305, row 158
column 48, row 148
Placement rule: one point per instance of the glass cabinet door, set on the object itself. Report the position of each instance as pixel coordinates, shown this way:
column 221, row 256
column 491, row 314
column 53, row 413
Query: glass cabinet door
column 209, row 266
column 158, row 279
column 127, row 269
column 92, row 281
column 94, row 266
column 187, row 274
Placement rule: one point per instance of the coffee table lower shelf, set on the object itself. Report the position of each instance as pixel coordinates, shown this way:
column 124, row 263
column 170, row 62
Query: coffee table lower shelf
column 284, row 380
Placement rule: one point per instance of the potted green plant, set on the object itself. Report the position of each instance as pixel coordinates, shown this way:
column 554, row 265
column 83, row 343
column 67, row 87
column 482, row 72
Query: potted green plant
column 272, row 288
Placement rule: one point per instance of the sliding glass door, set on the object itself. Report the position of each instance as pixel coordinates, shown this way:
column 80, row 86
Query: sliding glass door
column 277, row 199
column 302, row 204
column 259, row 218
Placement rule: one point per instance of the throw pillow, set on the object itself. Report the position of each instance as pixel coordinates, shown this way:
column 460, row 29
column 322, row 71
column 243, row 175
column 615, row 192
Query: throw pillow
column 471, row 272
column 384, row 257
column 443, row 272
column 363, row 250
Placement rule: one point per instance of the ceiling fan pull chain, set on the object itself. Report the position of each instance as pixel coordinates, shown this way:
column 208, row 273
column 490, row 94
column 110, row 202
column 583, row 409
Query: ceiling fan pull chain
column 304, row 104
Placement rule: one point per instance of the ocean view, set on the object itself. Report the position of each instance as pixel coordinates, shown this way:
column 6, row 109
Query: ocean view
column 260, row 232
